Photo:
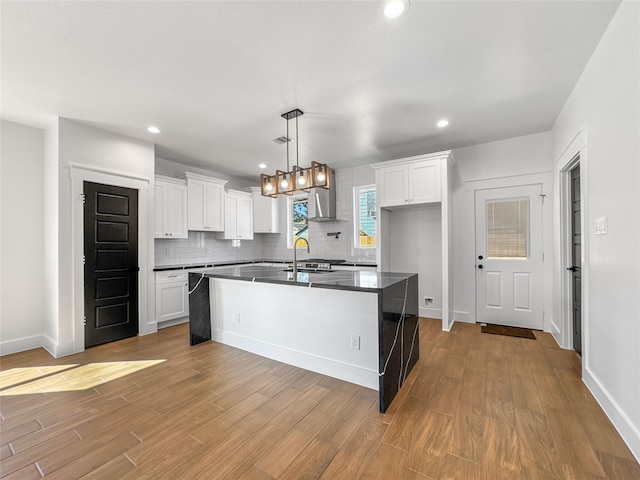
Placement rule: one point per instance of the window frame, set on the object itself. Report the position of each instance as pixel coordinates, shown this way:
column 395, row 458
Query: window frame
column 357, row 191
column 290, row 201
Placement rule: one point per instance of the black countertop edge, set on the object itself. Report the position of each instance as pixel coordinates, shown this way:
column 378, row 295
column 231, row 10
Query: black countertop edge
column 231, row 263
column 319, row 284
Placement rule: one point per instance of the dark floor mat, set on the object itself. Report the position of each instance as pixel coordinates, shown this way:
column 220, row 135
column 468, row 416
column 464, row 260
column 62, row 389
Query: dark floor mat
column 508, row 331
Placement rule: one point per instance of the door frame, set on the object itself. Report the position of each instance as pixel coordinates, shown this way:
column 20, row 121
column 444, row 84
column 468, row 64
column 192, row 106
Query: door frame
column 574, row 153
column 79, row 174
column 545, row 180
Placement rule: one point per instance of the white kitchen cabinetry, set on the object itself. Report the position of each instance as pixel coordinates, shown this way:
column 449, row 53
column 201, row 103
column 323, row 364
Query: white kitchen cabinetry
column 172, row 296
column 408, row 182
column 170, row 208
column 205, row 203
column 411, row 192
column 265, row 213
column 238, row 216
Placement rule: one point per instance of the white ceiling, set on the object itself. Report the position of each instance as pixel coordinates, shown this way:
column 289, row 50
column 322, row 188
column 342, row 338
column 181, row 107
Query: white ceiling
column 215, row 76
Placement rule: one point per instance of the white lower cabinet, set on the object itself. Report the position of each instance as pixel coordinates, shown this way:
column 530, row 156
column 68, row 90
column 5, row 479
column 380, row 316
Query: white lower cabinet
column 172, row 297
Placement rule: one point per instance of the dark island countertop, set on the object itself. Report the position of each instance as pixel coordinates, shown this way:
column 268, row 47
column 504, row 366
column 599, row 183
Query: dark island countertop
column 191, row 266
column 366, row 281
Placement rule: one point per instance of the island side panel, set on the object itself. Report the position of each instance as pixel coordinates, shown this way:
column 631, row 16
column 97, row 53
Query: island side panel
column 199, row 309
column 399, row 342
column 311, row 328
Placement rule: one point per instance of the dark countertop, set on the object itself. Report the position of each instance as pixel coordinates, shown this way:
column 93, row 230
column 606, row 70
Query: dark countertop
column 162, row 268
column 365, row 281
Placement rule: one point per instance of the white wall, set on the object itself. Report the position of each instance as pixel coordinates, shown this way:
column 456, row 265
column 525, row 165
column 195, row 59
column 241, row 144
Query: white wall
column 606, row 100
column 103, row 156
column 514, row 157
column 22, row 238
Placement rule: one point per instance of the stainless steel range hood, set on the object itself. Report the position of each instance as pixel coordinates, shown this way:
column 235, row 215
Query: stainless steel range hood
column 322, row 202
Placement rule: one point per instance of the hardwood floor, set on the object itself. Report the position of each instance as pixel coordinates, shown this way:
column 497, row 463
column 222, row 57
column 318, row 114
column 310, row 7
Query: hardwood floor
column 476, row 406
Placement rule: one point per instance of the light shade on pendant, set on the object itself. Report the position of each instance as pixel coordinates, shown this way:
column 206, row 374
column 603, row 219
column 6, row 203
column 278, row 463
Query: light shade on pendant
column 267, row 185
column 284, row 185
column 302, row 178
column 320, row 177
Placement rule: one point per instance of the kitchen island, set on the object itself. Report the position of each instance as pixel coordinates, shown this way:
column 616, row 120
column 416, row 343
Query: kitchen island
column 358, row 326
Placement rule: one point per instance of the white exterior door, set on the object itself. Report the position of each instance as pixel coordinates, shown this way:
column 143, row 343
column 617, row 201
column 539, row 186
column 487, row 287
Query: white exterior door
column 509, row 256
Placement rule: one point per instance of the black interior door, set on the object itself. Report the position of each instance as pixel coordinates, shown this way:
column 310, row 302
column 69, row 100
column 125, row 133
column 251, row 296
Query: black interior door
column 111, row 263
column 576, row 254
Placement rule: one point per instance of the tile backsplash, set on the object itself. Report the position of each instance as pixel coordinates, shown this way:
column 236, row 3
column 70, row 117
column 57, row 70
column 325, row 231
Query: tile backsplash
column 204, row 247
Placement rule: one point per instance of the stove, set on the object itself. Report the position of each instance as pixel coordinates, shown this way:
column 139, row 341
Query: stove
column 318, row 263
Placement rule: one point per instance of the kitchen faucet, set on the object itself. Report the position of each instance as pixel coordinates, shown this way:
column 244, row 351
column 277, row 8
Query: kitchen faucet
column 295, row 259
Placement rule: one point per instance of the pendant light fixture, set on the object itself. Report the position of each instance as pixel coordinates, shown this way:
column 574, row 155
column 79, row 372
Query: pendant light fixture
column 296, row 178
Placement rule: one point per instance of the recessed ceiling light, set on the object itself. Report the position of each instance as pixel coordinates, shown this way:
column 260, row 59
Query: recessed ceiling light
column 153, row 129
column 443, row 123
column 395, row 8
column 263, row 165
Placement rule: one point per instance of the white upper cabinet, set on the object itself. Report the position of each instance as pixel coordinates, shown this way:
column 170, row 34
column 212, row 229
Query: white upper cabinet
column 170, row 205
column 238, row 216
column 265, row 213
column 424, row 181
column 408, row 182
column 206, row 198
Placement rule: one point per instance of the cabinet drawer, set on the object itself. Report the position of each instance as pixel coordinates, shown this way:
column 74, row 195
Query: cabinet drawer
column 172, row 276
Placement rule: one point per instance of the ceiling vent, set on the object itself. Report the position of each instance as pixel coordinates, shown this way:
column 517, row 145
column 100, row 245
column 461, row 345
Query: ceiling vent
column 282, row 139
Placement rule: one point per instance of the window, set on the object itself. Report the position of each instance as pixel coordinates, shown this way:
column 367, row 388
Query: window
column 298, row 215
column 508, row 228
column 364, row 208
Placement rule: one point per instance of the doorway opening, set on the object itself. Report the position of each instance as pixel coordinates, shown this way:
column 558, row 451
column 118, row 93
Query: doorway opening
column 573, row 239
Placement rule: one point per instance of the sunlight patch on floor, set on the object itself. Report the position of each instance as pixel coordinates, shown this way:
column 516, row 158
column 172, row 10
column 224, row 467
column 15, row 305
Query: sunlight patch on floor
column 70, row 377
column 21, row 375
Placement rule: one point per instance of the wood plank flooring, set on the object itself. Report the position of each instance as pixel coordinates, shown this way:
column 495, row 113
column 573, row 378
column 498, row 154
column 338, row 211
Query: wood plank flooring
column 476, row 406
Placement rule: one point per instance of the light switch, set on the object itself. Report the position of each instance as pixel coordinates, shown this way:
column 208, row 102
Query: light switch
column 601, row 226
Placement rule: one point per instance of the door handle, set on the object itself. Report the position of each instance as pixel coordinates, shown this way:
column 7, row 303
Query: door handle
column 480, row 267
column 480, row 257
column 134, row 269
column 573, row 268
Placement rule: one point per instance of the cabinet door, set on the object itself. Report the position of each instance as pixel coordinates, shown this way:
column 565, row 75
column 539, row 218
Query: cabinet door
column 424, row 182
column 172, row 295
column 392, row 186
column 176, row 211
column 159, row 227
column 265, row 214
column 214, row 207
column 245, row 218
column 196, row 195
column 231, row 217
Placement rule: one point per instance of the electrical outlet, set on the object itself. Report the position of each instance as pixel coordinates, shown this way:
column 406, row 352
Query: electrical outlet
column 238, row 317
column 428, row 301
column 418, row 252
column 355, row 342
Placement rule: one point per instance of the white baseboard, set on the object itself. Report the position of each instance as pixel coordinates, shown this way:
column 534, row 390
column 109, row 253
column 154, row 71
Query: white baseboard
column 171, row 323
column 430, row 312
column 555, row 333
column 23, row 344
column 621, row 421
column 463, row 317
column 326, row 366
